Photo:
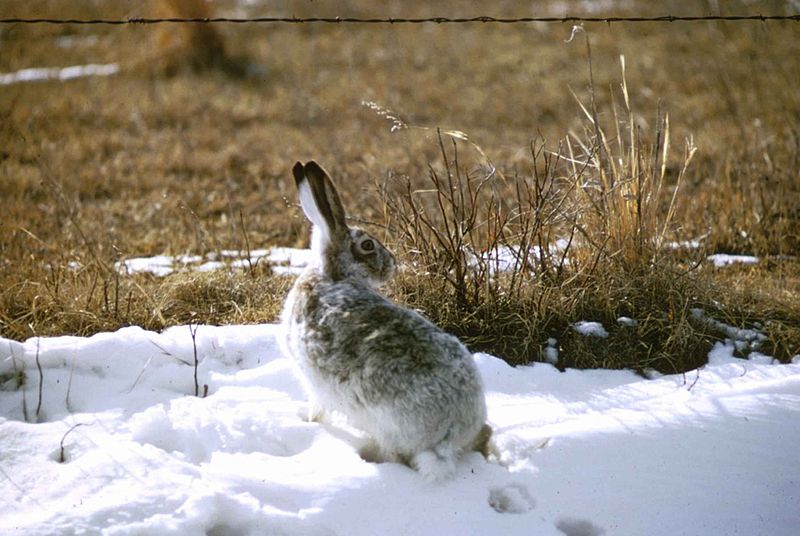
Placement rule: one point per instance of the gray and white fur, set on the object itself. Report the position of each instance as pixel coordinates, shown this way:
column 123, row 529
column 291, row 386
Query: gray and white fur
column 412, row 387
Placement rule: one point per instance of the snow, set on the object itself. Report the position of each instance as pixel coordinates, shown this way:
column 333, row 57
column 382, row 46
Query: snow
column 291, row 261
column 72, row 41
column 577, row 452
column 720, row 260
column 627, row 321
column 288, row 261
column 38, row 74
column 745, row 340
column 695, row 243
column 551, row 351
column 508, row 258
column 590, row 329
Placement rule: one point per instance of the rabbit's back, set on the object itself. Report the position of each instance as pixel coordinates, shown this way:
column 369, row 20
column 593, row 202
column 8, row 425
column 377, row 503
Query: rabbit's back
column 393, row 372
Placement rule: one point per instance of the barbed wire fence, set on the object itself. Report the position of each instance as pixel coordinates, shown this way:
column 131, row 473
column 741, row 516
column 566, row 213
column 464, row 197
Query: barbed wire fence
column 426, row 20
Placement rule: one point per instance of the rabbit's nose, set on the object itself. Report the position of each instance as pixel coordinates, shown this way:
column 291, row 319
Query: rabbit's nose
column 391, row 267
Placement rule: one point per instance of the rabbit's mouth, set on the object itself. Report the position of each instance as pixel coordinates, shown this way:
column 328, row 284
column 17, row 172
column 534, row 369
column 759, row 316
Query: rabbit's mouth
column 386, row 274
column 378, row 276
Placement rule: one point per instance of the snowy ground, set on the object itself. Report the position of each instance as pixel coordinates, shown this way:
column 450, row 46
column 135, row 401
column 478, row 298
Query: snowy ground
column 281, row 261
column 581, row 452
column 38, row 74
column 106, row 437
column 284, row 260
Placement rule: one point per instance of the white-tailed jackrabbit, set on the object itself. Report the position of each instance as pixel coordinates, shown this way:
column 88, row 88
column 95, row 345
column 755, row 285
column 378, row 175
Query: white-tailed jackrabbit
column 412, row 387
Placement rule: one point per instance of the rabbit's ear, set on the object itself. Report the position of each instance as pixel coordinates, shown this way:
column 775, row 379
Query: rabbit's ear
column 318, row 197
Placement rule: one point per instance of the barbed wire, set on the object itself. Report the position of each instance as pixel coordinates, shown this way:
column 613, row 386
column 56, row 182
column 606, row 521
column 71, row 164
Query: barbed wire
column 393, row 20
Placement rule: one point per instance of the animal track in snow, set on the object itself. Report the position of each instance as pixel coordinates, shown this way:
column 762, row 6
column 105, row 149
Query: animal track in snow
column 572, row 526
column 511, row 499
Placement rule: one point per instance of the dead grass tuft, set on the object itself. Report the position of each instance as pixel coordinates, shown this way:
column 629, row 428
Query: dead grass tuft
column 221, row 297
column 585, row 235
column 85, row 301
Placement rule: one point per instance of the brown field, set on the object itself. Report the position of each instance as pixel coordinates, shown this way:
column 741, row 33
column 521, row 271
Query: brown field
column 188, row 150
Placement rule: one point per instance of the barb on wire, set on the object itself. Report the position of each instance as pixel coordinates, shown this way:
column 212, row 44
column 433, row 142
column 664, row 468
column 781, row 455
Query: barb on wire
column 393, row 20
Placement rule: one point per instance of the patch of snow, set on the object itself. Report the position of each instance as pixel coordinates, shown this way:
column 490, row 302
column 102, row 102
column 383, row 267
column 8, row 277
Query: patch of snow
column 70, row 41
column 627, row 321
column 696, row 243
column 509, row 258
column 291, row 258
column 590, row 329
column 58, row 73
column 237, row 254
column 722, row 354
column 742, row 339
column 720, row 260
column 551, row 351
column 288, row 261
column 159, row 265
column 210, row 266
column 291, row 261
column 576, row 452
column 188, row 259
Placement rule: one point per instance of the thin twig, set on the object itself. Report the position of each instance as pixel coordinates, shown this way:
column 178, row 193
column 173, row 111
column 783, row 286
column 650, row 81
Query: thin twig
column 41, row 379
column 247, row 244
column 697, row 377
column 61, row 456
column 193, row 331
column 69, row 382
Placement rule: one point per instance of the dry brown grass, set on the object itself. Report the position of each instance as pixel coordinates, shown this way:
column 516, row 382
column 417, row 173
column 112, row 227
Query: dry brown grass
column 157, row 161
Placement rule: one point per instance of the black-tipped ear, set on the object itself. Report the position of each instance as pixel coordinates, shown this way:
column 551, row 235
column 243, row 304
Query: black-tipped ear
column 313, row 169
column 299, row 173
column 318, row 197
column 325, row 196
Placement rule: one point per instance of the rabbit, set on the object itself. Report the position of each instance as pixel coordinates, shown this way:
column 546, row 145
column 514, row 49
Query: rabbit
column 414, row 389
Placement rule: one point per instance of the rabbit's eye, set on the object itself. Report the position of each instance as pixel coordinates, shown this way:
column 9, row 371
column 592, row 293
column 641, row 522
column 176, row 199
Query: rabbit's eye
column 367, row 245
